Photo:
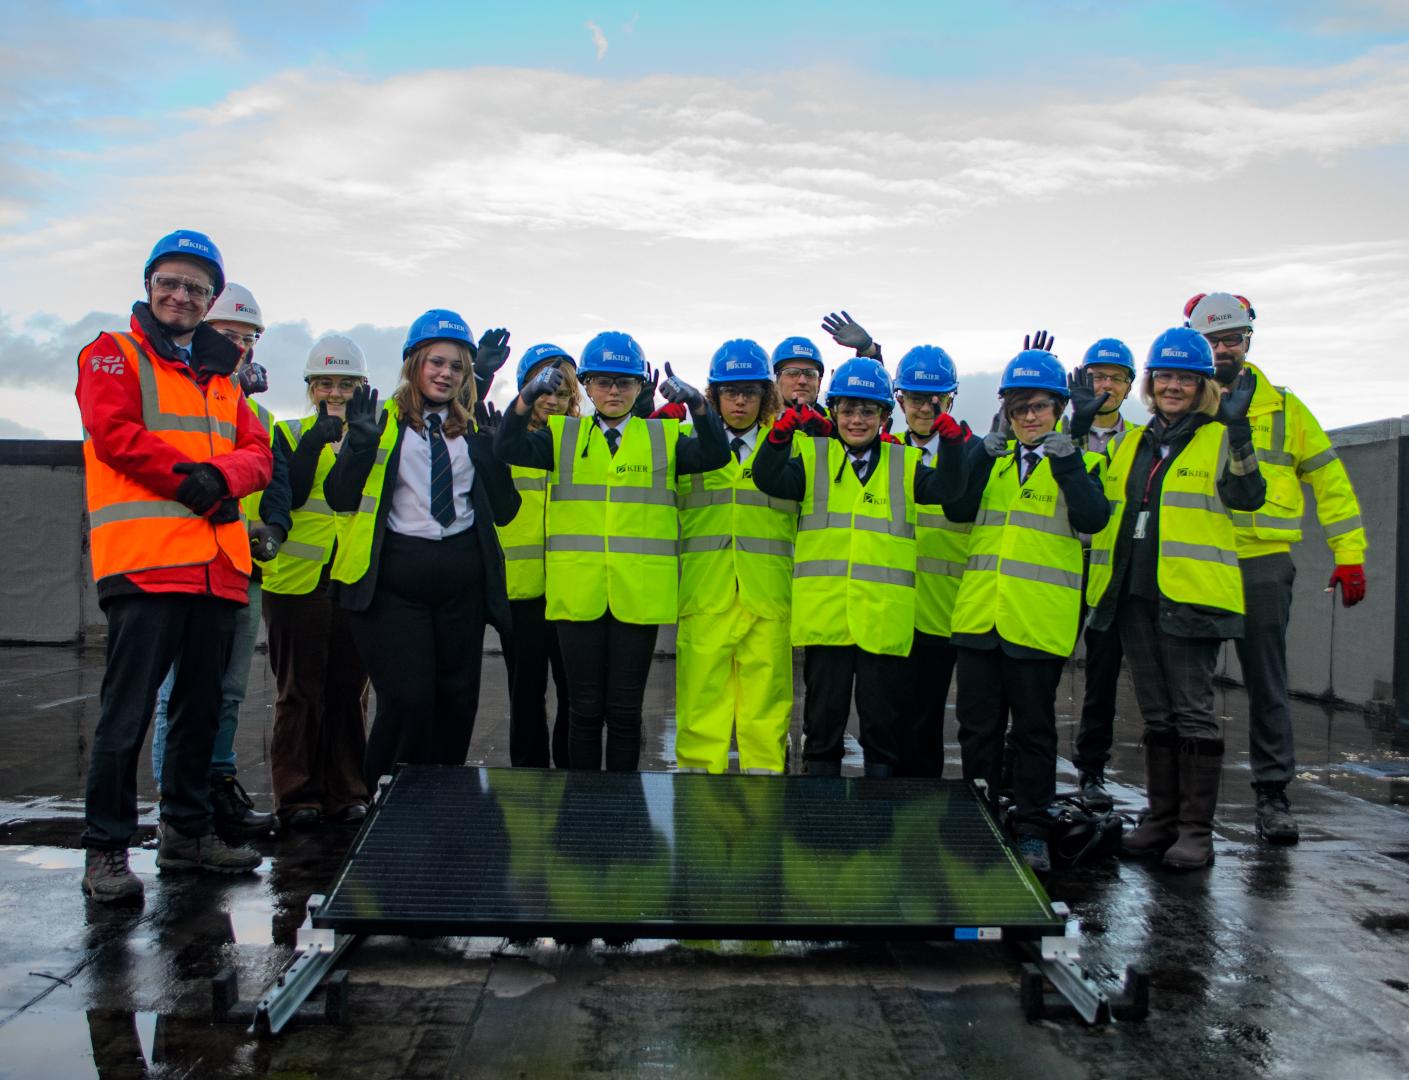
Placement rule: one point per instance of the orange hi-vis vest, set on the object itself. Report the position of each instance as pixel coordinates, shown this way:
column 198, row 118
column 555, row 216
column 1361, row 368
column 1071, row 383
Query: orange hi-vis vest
column 131, row 527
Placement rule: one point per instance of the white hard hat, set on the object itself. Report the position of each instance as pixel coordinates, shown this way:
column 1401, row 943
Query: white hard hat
column 1212, row 313
column 237, row 304
column 333, row 354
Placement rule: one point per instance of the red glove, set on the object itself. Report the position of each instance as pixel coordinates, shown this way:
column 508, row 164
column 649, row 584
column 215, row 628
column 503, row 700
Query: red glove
column 785, row 425
column 673, row 411
column 948, row 428
column 1351, row 579
column 814, row 422
column 888, row 437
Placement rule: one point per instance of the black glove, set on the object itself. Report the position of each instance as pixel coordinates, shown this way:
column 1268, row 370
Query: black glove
column 365, row 420
column 1233, row 405
column 265, row 541
column 492, row 353
column 202, row 488
column 678, row 392
column 847, row 331
column 1084, row 403
column 487, row 417
column 253, row 379
column 1040, row 340
column 645, row 403
column 547, row 381
column 326, row 429
column 226, row 513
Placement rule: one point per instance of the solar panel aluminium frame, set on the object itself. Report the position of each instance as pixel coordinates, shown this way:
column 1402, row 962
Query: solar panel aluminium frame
column 578, row 855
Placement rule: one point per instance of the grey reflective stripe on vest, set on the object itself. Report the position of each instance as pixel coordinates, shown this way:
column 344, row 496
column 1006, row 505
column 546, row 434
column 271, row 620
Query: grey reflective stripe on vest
column 1177, row 549
column 1276, row 452
column 1100, row 557
column 1340, row 528
column 1047, row 575
column 1025, row 519
column 1192, row 500
column 625, row 545
column 318, row 506
column 530, row 483
column 1317, row 461
column 939, row 521
column 942, row 567
column 895, row 525
column 136, row 511
column 699, row 498
column 152, row 416
column 523, row 551
column 821, row 490
column 658, row 494
column 882, row 575
column 752, row 545
column 304, row 551
column 752, row 497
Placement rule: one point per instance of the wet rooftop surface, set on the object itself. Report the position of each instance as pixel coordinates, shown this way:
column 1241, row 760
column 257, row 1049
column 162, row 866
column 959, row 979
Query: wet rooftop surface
column 1275, row 962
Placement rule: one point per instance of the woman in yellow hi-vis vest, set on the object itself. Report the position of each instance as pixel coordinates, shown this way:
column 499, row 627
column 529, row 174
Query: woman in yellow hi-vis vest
column 1164, row 572
column 853, row 588
column 1019, row 604
column 612, row 532
column 419, row 564
column 533, row 649
column 734, row 657
column 320, row 722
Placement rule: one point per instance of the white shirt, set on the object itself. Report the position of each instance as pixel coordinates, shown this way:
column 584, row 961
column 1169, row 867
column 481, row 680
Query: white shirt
column 1023, row 471
column 750, row 438
column 929, row 448
column 1100, row 437
column 410, row 513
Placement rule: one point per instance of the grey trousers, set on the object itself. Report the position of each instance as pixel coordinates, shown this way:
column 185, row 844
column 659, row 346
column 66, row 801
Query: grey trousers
column 1173, row 676
column 1262, row 651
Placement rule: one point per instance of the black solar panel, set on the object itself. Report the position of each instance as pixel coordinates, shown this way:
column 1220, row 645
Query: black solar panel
column 528, row 852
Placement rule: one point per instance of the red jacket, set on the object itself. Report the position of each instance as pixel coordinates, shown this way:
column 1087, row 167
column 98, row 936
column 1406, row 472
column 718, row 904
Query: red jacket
column 109, row 401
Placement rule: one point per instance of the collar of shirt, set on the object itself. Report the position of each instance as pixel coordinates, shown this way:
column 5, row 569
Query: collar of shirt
column 750, row 437
column 619, row 423
column 1100, row 436
column 929, row 448
column 861, row 456
column 443, row 412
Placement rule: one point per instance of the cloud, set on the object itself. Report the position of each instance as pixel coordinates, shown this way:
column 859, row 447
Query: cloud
column 599, row 39
column 10, row 429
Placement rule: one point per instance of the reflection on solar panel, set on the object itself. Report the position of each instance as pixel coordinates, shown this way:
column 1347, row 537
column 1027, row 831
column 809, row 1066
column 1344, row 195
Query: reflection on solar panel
column 528, row 852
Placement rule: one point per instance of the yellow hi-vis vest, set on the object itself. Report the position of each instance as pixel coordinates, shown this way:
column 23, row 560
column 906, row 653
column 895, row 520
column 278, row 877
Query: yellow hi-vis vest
column 522, row 538
column 734, row 539
column 942, row 548
column 354, row 554
column 854, row 569
column 1198, row 557
column 612, row 522
column 1292, row 450
column 250, row 503
column 316, row 525
column 1023, row 577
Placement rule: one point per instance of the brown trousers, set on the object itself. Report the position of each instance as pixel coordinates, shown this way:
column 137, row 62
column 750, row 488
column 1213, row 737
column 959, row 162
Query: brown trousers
column 320, row 716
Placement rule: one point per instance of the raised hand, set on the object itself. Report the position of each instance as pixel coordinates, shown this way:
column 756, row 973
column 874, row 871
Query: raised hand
column 365, row 419
column 1057, row 444
column 995, row 443
column 1236, row 400
column 1040, row 340
column 677, row 391
column 1085, row 405
column 847, row 331
column 949, row 429
column 645, row 403
column 254, row 379
column 492, row 352
column 547, row 381
column 327, row 428
column 785, row 425
column 487, row 417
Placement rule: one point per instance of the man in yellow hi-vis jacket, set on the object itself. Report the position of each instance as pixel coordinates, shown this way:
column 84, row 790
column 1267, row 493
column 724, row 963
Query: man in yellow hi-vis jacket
column 1291, row 450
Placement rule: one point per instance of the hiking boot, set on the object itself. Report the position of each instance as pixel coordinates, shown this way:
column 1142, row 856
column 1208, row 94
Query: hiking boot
column 209, row 853
column 1034, row 851
column 1094, row 794
column 1200, row 771
column 1159, row 827
column 1275, row 821
column 108, row 879
column 235, row 815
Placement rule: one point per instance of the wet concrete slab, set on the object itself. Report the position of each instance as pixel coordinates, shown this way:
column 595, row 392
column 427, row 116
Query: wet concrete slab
column 1275, row 962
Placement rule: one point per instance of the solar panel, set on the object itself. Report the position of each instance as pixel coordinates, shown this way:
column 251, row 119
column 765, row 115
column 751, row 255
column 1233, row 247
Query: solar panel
column 529, row 852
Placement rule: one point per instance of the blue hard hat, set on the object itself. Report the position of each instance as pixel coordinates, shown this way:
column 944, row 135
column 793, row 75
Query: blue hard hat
column 438, row 324
column 187, row 243
column 1181, row 349
column 740, row 360
column 797, row 348
column 1110, row 350
column 1034, row 369
column 927, row 369
column 861, row 378
column 536, row 356
column 613, row 353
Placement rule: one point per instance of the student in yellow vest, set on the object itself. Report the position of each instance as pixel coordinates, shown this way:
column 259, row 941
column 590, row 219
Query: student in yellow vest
column 853, row 588
column 1292, row 450
column 320, row 722
column 612, row 532
column 1019, row 604
column 532, row 649
column 734, row 669
column 419, row 565
column 1164, row 573
column 925, row 385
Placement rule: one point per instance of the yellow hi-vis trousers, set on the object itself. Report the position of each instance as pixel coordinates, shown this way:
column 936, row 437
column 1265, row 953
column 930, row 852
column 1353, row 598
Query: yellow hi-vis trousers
column 732, row 665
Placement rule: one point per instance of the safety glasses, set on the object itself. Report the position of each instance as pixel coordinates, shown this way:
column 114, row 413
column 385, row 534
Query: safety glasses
column 174, row 283
column 1232, row 339
column 613, row 382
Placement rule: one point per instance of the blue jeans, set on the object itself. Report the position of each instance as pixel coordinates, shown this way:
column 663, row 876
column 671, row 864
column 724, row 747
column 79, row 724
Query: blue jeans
column 232, row 694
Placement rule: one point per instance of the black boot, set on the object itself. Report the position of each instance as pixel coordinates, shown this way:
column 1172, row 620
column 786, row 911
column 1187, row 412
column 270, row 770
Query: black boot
column 235, row 815
column 1200, row 772
column 1093, row 792
column 1159, row 828
column 1275, row 821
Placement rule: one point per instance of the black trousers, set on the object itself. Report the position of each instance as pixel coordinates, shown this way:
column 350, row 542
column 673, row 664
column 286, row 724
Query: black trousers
column 1262, row 652
column 883, row 703
column 421, row 638
column 930, row 671
column 530, row 652
column 1096, row 731
column 607, row 663
column 147, row 633
column 993, row 685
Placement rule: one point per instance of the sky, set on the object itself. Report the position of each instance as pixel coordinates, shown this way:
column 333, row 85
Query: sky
column 950, row 174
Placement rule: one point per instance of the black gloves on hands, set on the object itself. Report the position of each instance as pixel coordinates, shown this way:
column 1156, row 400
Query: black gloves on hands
column 326, row 429
column 645, row 403
column 1085, row 405
column 366, row 420
column 1237, row 399
column 203, row 487
column 253, row 379
column 547, row 381
column 492, row 352
column 678, row 392
column 265, row 541
column 1040, row 340
column 848, row 332
column 487, row 417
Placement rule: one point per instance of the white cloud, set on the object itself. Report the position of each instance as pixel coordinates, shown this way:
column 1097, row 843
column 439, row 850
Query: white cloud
column 599, row 39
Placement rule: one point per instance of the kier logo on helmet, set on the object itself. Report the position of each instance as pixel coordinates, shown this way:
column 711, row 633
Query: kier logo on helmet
column 801, row 350
column 732, row 364
column 239, row 307
column 446, row 324
column 1170, row 350
column 336, row 361
column 1031, row 373
column 607, row 354
column 856, row 380
column 1209, row 320
column 1107, row 352
column 187, row 242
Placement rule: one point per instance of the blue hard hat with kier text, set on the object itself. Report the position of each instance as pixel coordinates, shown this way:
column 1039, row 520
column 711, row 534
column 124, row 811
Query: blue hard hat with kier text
column 613, row 353
column 927, row 369
column 861, row 378
column 537, row 355
column 189, row 244
column 438, row 324
column 739, row 360
column 1181, row 349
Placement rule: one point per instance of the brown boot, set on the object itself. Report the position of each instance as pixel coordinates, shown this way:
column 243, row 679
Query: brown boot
column 1160, row 826
column 1200, row 772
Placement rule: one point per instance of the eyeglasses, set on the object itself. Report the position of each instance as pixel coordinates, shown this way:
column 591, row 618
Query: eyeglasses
column 1114, row 378
column 439, row 363
column 857, row 408
column 1178, row 378
column 917, row 399
column 172, row 283
column 245, row 341
column 1232, row 339
column 1032, row 408
column 613, row 382
column 328, row 384
column 806, row 374
column 741, row 393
